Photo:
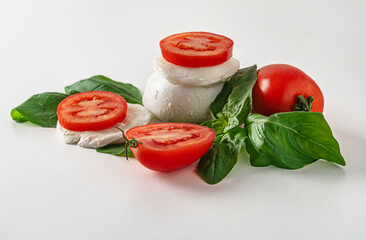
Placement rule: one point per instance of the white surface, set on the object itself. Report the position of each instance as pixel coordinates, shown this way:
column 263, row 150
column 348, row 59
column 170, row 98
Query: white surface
column 49, row 190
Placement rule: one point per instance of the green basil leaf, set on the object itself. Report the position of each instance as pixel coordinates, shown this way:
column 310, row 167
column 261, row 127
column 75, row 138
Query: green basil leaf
column 290, row 140
column 216, row 124
column 222, row 156
column 102, row 83
column 234, row 102
column 116, row 150
column 39, row 109
column 17, row 116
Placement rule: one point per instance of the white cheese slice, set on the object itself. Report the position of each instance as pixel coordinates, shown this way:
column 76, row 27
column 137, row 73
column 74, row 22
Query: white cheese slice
column 201, row 76
column 136, row 115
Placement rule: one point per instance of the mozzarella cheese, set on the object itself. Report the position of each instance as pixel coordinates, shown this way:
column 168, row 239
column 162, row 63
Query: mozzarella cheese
column 201, row 76
column 179, row 103
column 182, row 94
column 136, row 115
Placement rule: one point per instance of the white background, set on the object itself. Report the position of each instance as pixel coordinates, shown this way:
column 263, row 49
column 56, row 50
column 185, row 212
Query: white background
column 49, row 190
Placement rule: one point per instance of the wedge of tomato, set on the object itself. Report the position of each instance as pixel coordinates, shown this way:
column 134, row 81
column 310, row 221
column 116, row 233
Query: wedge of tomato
column 94, row 110
column 196, row 49
column 170, row 146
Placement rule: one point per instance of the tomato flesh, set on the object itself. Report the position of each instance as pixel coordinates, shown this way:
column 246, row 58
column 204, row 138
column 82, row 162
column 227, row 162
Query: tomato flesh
column 94, row 110
column 196, row 49
column 278, row 86
column 170, row 146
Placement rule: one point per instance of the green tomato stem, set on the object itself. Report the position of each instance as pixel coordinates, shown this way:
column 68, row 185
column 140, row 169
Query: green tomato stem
column 131, row 143
column 303, row 104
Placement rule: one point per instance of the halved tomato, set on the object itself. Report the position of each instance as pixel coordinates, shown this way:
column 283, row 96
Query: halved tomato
column 170, row 146
column 196, row 49
column 94, row 110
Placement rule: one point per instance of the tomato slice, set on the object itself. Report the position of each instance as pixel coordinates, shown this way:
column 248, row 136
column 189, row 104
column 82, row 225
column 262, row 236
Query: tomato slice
column 196, row 49
column 94, row 110
column 170, row 146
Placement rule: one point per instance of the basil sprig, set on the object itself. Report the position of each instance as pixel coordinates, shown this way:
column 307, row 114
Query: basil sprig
column 290, row 140
column 40, row 109
column 233, row 104
column 230, row 109
column 286, row 140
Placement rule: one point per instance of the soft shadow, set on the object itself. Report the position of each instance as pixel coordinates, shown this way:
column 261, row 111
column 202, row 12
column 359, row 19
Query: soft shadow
column 318, row 170
column 353, row 149
column 186, row 178
column 245, row 176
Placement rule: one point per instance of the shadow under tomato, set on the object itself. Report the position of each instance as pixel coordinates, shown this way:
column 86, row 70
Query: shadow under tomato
column 188, row 178
column 319, row 169
column 352, row 148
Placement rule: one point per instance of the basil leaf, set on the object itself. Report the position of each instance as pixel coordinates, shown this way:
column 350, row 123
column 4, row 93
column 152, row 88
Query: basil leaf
column 222, row 156
column 116, row 150
column 17, row 116
column 102, row 83
column 39, row 109
column 216, row 124
column 290, row 140
column 234, row 102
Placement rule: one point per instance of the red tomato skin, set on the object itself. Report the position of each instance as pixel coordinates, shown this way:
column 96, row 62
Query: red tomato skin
column 196, row 59
column 157, row 161
column 278, row 86
column 161, row 160
column 68, row 123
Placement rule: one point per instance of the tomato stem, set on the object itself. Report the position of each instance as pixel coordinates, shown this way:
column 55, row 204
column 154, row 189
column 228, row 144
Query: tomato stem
column 303, row 104
column 132, row 143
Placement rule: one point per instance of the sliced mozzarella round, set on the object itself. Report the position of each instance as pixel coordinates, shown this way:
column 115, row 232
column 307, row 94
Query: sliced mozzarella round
column 201, row 76
column 179, row 103
column 136, row 115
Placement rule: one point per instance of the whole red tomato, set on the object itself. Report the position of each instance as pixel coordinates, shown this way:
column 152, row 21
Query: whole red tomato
column 278, row 86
